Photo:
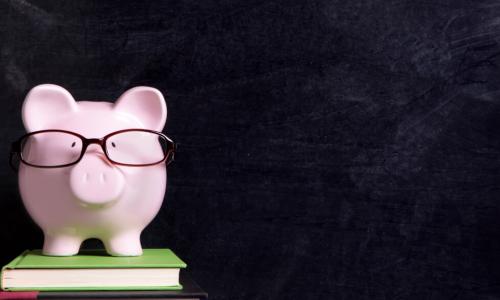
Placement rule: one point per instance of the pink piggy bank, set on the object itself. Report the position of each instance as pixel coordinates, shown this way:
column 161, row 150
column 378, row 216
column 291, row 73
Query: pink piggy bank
column 93, row 169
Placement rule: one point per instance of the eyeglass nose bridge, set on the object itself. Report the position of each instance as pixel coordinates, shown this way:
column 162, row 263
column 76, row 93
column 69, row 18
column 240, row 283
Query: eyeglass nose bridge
column 94, row 141
column 88, row 142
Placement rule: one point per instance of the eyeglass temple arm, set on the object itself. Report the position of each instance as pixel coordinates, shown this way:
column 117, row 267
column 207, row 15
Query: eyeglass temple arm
column 171, row 157
column 15, row 148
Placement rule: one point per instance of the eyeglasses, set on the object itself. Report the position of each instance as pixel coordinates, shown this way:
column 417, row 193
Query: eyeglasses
column 55, row 148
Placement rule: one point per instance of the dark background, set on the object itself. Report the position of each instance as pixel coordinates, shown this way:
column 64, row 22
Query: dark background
column 328, row 149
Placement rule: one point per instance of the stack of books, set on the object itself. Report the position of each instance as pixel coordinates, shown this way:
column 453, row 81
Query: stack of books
column 93, row 274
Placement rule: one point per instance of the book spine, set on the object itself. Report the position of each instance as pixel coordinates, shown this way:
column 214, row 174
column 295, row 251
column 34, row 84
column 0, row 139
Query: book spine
column 11, row 265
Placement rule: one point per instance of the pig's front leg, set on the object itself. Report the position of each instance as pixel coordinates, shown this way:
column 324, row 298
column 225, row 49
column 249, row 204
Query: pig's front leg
column 61, row 244
column 124, row 244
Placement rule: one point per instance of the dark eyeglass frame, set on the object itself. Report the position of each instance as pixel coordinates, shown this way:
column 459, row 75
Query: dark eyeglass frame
column 16, row 148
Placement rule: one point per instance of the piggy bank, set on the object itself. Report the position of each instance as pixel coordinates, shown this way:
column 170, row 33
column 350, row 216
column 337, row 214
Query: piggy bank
column 93, row 169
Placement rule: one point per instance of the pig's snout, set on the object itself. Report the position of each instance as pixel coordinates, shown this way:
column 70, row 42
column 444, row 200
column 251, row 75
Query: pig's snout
column 94, row 182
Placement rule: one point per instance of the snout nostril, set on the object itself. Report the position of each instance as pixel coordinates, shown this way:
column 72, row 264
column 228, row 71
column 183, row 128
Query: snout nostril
column 86, row 177
column 102, row 177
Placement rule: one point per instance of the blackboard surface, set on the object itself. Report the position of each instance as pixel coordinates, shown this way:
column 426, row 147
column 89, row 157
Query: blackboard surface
column 328, row 149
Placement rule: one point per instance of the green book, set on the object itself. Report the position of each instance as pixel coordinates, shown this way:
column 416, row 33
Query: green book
column 156, row 269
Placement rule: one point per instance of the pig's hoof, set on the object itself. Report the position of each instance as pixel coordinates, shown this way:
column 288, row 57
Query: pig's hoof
column 128, row 244
column 61, row 245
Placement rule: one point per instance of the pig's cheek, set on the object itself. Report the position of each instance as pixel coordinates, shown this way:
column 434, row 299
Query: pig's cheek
column 46, row 194
column 144, row 183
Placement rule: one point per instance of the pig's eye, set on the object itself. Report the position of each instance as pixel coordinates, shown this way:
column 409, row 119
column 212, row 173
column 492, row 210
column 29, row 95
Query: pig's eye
column 73, row 145
column 113, row 144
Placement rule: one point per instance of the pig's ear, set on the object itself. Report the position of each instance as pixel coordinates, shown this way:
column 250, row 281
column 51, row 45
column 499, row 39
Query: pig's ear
column 45, row 104
column 146, row 104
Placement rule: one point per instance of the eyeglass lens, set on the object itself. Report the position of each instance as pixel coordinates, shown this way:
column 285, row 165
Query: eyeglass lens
column 48, row 149
column 136, row 147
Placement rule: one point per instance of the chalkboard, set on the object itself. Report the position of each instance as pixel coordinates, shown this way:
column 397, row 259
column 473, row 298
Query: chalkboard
column 327, row 149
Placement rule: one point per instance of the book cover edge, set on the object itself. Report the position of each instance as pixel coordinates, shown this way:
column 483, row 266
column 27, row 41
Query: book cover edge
column 11, row 265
